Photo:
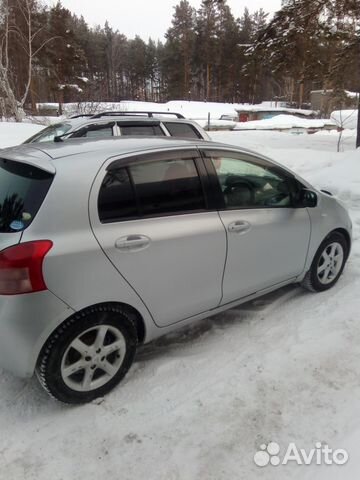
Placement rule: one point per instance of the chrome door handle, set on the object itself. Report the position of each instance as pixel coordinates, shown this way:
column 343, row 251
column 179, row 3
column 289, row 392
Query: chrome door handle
column 240, row 226
column 132, row 243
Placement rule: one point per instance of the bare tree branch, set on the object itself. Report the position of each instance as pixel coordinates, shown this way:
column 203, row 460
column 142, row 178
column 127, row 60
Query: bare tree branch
column 44, row 44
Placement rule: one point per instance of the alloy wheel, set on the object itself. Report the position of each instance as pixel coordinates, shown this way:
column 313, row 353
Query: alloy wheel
column 330, row 263
column 93, row 358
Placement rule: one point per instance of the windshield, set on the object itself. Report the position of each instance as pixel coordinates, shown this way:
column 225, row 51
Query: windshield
column 49, row 133
column 22, row 191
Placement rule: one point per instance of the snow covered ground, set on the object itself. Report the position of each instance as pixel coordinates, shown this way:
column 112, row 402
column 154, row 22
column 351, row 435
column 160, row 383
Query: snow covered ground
column 12, row 133
column 198, row 404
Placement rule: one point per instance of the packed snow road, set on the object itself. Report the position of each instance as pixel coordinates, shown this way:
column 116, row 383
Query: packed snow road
column 199, row 404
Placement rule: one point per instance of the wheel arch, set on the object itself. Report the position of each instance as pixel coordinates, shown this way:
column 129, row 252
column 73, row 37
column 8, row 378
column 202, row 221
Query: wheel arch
column 134, row 314
column 312, row 283
column 347, row 237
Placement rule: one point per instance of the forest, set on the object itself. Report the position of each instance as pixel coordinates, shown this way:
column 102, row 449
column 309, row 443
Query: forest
column 48, row 54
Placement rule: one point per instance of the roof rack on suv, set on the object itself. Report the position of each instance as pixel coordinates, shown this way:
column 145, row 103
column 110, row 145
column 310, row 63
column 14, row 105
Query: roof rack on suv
column 80, row 115
column 134, row 113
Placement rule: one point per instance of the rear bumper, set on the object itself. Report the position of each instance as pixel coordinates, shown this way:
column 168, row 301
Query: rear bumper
column 26, row 321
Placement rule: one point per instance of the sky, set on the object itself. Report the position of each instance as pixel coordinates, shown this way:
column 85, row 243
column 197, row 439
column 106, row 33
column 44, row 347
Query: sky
column 148, row 18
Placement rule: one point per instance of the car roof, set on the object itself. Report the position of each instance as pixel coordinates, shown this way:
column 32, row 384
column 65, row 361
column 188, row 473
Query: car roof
column 47, row 155
column 108, row 147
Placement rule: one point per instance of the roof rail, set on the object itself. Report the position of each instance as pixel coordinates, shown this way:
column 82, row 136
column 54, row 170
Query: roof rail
column 80, row 115
column 134, row 113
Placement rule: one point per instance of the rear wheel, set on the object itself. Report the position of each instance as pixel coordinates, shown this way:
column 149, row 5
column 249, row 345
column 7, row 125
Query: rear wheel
column 88, row 355
column 328, row 264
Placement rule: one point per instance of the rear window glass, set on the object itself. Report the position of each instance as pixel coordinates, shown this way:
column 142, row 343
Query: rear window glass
column 147, row 130
column 95, row 131
column 49, row 133
column 22, row 191
column 183, row 130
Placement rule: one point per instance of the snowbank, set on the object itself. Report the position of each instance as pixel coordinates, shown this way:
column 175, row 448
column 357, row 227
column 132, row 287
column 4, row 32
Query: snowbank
column 200, row 110
column 190, row 109
column 284, row 122
column 12, row 133
column 345, row 118
column 217, row 124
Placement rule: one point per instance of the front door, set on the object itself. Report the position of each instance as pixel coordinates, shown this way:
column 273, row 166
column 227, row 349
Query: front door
column 267, row 237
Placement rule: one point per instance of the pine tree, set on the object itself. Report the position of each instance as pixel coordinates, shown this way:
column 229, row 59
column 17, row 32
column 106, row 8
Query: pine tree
column 179, row 48
column 65, row 59
column 305, row 44
column 206, row 46
column 228, row 64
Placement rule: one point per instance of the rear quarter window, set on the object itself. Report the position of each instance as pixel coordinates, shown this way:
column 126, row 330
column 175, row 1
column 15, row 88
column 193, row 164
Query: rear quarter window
column 48, row 134
column 102, row 130
column 183, row 130
column 22, row 191
column 147, row 130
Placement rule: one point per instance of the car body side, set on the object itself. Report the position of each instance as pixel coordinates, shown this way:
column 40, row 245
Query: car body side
column 78, row 259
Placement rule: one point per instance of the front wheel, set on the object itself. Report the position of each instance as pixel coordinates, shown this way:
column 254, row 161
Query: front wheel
column 88, row 355
column 328, row 264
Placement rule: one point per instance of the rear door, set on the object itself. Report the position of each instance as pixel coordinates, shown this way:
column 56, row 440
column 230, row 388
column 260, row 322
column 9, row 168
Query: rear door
column 268, row 238
column 150, row 216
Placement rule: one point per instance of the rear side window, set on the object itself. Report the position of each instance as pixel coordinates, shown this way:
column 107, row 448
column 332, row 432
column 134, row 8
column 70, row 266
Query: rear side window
column 146, row 130
column 49, row 133
column 151, row 189
column 117, row 197
column 183, row 130
column 22, row 191
column 95, row 131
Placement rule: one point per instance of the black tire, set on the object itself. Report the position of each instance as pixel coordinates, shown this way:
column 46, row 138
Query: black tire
column 49, row 366
column 311, row 281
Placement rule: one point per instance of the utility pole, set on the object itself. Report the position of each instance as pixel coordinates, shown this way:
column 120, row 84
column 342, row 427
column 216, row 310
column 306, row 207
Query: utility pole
column 358, row 125
column 358, row 122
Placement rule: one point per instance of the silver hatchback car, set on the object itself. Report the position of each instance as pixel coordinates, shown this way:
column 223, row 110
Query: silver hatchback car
column 107, row 244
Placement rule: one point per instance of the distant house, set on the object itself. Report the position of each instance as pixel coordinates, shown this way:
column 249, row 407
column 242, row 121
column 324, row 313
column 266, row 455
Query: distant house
column 250, row 113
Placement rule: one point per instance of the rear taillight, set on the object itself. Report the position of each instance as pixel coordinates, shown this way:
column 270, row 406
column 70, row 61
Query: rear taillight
column 21, row 268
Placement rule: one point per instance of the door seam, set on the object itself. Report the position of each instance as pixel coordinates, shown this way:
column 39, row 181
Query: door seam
column 226, row 259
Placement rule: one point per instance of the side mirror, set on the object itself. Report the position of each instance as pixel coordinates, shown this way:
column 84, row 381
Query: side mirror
column 308, row 198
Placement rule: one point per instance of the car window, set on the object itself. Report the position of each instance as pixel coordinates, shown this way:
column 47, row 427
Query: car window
column 117, row 197
column 22, row 191
column 245, row 184
column 48, row 134
column 167, row 186
column 151, row 189
column 95, row 131
column 147, row 130
column 183, row 130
